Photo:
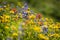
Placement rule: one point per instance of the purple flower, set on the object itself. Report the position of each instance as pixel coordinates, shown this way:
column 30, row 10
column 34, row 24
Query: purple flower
column 24, row 14
column 25, row 6
column 45, row 29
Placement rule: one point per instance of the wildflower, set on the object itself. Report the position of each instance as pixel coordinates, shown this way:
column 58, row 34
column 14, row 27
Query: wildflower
column 38, row 16
column 43, row 19
column 51, row 20
column 27, row 22
column 20, row 16
column 7, row 8
column 23, row 23
column 6, row 16
column 40, row 23
column 1, row 9
column 15, row 34
column 55, row 26
column 25, row 6
column 6, row 27
column 24, row 14
column 7, row 20
column 44, row 28
column 51, row 26
column 14, row 9
column 1, row 17
column 31, row 22
column 16, row 16
column 4, row 6
column 2, row 21
column 45, row 23
column 12, row 12
column 37, row 29
column 46, row 19
column 28, row 12
column 32, row 16
column 42, row 36
column 55, row 35
column 28, row 9
column 13, row 27
column 22, row 6
column 20, row 32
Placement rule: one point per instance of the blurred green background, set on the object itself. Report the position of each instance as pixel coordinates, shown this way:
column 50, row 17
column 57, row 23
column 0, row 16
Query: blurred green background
column 49, row 8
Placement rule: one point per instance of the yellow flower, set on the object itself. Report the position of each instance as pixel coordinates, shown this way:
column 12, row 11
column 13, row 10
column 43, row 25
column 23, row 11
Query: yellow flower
column 22, row 6
column 6, row 27
column 37, row 29
column 55, row 26
column 2, row 21
column 51, row 26
column 7, row 20
column 7, row 8
column 20, row 15
column 46, row 19
column 13, row 27
column 58, row 24
column 15, row 34
column 20, row 32
column 45, row 23
column 28, row 12
column 29, row 9
column 2, row 17
column 32, row 16
column 55, row 35
column 50, row 35
column 12, row 12
column 51, row 20
column 42, row 36
column 6, row 16
column 23, row 24
column 31, row 22
column 16, row 16
column 42, row 18
column 1, row 9
column 40, row 23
